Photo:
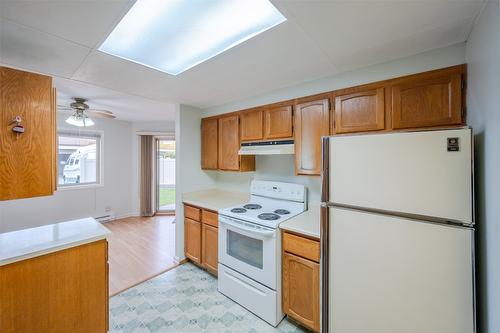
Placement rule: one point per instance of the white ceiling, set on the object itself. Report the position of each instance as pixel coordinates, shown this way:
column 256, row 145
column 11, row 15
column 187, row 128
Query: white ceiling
column 320, row 38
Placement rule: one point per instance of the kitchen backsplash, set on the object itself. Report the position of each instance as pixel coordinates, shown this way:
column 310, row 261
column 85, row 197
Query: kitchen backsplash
column 272, row 167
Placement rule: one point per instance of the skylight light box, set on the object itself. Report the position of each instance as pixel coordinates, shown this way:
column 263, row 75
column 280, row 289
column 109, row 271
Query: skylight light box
column 173, row 36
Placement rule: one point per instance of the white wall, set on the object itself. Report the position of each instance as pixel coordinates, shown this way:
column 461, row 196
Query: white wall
column 282, row 167
column 77, row 203
column 483, row 109
column 189, row 176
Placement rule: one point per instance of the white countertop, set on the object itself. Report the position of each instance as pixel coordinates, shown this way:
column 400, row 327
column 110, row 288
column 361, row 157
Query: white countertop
column 29, row 243
column 307, row 223
column 215, row 199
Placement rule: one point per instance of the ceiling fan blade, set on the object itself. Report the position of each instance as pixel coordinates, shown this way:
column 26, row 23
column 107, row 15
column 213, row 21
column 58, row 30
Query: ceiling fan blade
column 64, row 108
column 101, row 114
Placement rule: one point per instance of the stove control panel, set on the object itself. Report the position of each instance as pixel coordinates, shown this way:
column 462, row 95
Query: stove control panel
column 279, row 190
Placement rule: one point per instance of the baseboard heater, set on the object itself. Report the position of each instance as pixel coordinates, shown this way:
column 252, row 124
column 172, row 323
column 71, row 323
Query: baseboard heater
column 105, row 218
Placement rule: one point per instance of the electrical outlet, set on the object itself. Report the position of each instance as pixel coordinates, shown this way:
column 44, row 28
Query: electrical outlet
column 107, row 208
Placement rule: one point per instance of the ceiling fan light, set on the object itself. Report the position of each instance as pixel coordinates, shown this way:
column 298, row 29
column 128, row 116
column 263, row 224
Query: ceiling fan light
column 79, row 120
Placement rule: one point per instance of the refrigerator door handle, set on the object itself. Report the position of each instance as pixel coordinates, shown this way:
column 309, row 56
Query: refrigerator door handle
column 324, row 233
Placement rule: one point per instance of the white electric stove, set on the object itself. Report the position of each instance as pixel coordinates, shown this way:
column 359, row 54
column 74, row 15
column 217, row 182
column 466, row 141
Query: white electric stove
column 250, row 246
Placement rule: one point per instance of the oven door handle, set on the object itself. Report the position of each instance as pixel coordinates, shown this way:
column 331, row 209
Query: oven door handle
column 242, row 227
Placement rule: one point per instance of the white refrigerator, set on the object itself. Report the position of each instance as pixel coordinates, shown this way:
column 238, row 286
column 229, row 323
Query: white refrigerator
column 397, row 232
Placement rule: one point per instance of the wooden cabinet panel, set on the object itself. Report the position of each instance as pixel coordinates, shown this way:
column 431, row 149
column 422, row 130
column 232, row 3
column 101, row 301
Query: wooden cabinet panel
column 360, row 111
column 301, row 290
column 251, row 125
column 27, row 159
column 210, row 254
column 425, row 102
column 209, row 143
column 64, row 291
column 192, row 213
column 301, row 246
column 311, row 123
column 278, row 122
column 229, row 143
column 192, row 240
column 210, row 218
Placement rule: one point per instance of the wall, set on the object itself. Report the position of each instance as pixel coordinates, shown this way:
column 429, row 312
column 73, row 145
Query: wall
column 281, row 167
column 483, row 109
column 77, row 203
column 189, row 176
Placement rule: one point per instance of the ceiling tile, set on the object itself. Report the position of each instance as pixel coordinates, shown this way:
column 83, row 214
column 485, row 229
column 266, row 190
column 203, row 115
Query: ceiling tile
column 125, row 106
column 352, row 30
column 84, row 22
column 30, row 49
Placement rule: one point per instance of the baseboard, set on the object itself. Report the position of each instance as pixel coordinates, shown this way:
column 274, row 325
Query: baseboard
column 180, row 261
column 131, row 214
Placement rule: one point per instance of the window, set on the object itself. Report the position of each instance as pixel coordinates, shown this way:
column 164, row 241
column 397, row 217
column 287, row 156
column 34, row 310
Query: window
column 78, row 159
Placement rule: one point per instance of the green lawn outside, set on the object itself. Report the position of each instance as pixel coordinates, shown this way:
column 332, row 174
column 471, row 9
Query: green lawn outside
column 167, row 196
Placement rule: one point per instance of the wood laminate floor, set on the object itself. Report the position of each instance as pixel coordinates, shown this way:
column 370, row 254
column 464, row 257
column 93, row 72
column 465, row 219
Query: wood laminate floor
column 139, row 249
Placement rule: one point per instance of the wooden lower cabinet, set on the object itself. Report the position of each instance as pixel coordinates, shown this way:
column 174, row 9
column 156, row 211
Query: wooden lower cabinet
column 201, row 237
column 209, row 247
column 301, row 285
column 192, row 240
column 60, row 292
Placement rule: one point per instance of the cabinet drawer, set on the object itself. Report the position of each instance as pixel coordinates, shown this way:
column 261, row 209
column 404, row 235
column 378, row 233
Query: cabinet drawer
column 210, row 218
column 301, row 246
column 192, row 213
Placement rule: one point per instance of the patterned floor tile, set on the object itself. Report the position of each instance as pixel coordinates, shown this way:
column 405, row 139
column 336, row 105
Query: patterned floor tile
column 184, row 300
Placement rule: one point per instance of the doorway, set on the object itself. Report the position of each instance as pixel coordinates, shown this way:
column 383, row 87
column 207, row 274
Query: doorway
column 165, row 175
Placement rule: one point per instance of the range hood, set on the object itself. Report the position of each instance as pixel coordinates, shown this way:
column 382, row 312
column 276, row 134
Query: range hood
column 267, row 148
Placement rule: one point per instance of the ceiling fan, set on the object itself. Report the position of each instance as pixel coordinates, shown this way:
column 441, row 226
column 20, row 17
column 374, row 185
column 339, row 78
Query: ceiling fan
column 82, row 111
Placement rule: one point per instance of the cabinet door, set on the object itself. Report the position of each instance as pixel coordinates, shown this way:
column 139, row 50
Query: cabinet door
column 209, row 237
column 27, row 159
column 251, row 125
column 229, row 143
column 360, row 111
column 420, row 102
column 209, row 143
column 301, row 290
column 278, row 122
column 311, row 123
column 192, row 240
column 63, row 291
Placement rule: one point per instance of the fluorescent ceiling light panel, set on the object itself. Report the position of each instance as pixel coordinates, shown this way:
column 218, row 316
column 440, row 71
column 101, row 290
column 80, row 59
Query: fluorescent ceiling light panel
column 175, row 35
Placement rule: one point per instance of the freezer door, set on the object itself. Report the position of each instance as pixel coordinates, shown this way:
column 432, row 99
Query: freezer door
column 389, row 274
column 410, row 173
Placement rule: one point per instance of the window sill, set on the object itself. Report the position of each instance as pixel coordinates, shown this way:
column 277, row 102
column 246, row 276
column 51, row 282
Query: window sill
column 78, row 187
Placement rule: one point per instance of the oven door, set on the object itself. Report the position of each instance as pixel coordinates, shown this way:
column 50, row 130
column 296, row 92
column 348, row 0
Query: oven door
column 249, row 249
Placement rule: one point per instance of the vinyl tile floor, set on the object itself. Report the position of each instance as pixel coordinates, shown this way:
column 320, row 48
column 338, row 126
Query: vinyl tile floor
column 184, row 300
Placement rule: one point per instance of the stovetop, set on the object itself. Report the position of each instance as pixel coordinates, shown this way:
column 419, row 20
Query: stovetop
column 264, row 211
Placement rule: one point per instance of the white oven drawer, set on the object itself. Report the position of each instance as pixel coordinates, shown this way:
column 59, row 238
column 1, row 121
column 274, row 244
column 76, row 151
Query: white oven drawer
column 257, row 298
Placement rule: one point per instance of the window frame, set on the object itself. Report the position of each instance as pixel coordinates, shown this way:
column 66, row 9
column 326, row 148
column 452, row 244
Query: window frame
column 88, row 134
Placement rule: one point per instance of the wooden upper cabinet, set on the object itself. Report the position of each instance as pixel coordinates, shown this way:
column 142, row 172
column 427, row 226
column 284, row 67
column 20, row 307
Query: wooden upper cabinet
column 27, row 160
column 209, row 143
column 311, row 123
column 278, row 122
column 359, row 111
column 426, row 100
column 251, row 125
column 229, row 143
